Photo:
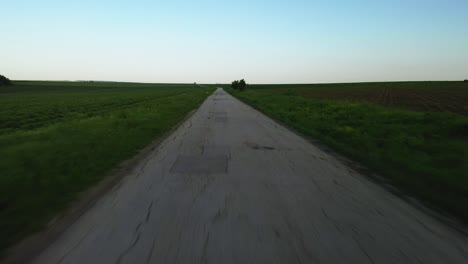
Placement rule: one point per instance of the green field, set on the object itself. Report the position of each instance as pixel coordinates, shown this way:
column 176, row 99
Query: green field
column 422, row 150
column 417, row 96
column 58, row 138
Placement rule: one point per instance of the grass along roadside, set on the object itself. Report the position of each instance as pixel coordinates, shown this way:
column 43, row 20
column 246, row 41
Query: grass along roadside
column 45, row 166
column 426, row 154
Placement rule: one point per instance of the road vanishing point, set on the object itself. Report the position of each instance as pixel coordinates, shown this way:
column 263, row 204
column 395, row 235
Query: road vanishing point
column 230, row 185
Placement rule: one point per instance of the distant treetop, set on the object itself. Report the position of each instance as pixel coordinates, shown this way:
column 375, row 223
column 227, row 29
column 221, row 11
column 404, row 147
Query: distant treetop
column 239, row 85
column 4, row 81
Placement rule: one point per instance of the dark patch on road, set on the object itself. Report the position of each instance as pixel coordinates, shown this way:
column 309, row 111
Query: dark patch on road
column 200, row 164
column 218, row 113
column 210, row 151
column 258, row 147
column 220, row 119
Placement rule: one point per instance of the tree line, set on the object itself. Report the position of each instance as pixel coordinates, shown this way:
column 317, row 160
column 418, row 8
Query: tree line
column 239, row 85
column 4, row 81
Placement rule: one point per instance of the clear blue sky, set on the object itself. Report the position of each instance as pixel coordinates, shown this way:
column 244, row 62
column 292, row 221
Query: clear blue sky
column 218, row 41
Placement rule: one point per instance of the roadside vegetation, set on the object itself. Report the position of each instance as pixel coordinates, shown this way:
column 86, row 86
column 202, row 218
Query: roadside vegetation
column 424, row 152
column 59, row 138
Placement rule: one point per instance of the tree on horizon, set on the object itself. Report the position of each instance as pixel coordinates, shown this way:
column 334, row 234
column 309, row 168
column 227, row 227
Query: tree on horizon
column 239, row 85
column 4, row 81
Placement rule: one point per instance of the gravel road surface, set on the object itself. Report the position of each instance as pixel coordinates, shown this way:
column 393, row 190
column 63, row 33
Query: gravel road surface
column 232, row 186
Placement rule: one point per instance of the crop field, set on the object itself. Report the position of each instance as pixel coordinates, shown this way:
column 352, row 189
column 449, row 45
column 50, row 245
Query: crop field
column 58, row 138
column 418, row 145
column 419, row 96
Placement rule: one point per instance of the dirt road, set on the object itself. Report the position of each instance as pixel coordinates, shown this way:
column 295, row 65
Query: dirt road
column 232, row 186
